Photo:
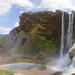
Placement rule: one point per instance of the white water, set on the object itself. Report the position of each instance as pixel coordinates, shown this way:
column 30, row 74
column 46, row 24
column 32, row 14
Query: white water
column 64, row 61
column 70, row 32
column 62, row 36
column 69, row 39
column 71, row 68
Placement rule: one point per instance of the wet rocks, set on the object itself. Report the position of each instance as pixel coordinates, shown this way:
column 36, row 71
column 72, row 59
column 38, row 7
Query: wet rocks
column 72, row 51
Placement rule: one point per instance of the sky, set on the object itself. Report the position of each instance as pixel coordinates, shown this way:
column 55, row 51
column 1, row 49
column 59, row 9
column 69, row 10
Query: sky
column 10, row 10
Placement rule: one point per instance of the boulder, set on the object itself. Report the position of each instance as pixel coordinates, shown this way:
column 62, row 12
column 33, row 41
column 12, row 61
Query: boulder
column 57, row 73
column 72, row 51
column 73, row 74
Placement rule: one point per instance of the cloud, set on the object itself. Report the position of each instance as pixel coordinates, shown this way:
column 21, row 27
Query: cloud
column 21, row 12
column 5, row 5
column 25, row 3
column 5, row 30
column 58, row 4
column 16, row 24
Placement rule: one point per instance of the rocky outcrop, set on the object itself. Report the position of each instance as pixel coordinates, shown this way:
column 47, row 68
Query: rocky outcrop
column 51, row 21
column 57, row 73
column 72, row 51
column 38, row 32
column 10, row 40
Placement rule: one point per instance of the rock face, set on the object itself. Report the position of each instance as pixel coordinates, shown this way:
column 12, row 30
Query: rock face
column 51, row 21
column 72, row 51
column 11, row 39
column 57, row 73
column 73, row 74
column 2, row 36
column 38, row 32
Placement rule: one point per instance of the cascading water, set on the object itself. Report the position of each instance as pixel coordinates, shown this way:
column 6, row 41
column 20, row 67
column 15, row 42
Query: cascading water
column 64, row 58
column 70, row 32
column 69, row 70
column 62, row 36
column 64, row 62
column 69, row 41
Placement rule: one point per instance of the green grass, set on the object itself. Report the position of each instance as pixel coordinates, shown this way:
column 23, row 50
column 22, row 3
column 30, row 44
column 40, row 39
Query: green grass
column 42, row 44
column 35, row 45
column 6, row 72
column 1, row 41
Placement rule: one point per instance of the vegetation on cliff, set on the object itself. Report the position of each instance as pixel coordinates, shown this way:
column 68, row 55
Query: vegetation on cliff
column 37, row 34
column 34, row 43
column 1, row 41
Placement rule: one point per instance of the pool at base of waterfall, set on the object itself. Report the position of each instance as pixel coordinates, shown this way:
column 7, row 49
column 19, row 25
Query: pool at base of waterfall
column 70, row 70
column 60, row 70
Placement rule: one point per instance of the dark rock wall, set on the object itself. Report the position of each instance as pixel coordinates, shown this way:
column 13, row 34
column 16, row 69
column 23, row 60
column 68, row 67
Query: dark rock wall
column 50, row 20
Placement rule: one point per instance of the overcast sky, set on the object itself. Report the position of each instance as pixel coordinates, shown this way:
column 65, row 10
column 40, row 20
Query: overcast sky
column 10, row 10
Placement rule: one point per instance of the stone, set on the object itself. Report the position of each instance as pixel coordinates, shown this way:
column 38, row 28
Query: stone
column 73, row 74
column 72, row 51
column 57, row 73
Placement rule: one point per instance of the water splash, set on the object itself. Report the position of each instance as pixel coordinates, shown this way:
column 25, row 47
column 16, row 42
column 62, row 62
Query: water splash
column 71, row 68
column 64, row 61
column 69, row 37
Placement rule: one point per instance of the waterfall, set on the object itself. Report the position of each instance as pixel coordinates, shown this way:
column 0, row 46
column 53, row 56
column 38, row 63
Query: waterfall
column 70, row 32
column 69, row 70
column 66, row 60
column 62, row 36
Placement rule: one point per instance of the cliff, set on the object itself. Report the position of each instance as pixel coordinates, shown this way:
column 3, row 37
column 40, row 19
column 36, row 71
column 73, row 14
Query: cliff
column 49, row 20
column 38, row 34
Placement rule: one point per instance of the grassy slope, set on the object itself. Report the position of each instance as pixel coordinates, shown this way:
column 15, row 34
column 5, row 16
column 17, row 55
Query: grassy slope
column 6, row 72
column 43, row 46
column 1, row 41
column 38, row 45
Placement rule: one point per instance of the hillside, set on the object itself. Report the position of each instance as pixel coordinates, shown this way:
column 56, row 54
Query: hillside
column 2, row 37
column 38, row 34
